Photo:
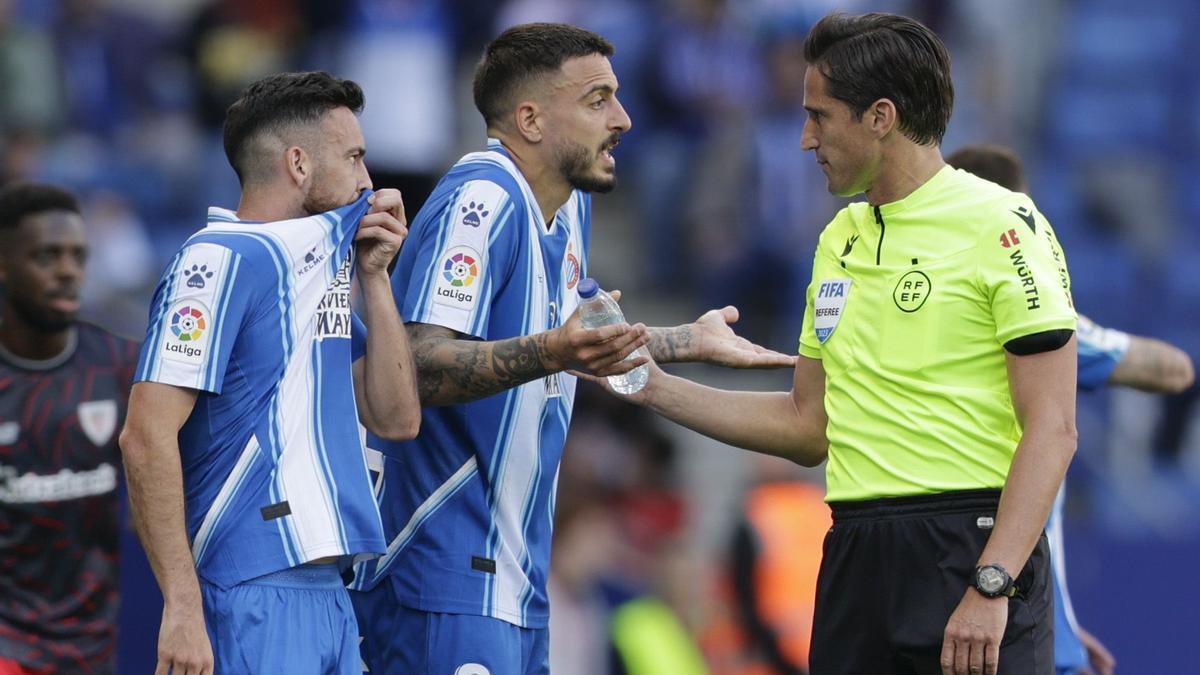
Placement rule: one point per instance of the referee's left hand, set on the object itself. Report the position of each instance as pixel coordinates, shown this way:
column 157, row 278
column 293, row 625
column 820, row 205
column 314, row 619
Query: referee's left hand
column 971, row 642
column 381, row 232
column 716, row 343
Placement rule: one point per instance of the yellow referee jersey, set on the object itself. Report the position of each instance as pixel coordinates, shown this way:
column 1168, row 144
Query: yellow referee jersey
column 909, row 307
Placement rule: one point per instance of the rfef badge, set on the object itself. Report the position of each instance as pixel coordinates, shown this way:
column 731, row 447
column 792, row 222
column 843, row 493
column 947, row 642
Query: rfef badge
column 828, row 306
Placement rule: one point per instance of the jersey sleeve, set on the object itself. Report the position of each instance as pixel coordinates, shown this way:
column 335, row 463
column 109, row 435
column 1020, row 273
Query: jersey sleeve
column 199, row 308
column 466, row 253
column 1100, row 350
column 1023, row 274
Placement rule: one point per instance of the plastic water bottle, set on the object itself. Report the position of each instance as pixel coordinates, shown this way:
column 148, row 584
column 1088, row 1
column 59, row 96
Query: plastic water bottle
column 597, row 308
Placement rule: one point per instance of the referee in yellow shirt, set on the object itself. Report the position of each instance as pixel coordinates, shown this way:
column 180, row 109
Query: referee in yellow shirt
column 936, row 374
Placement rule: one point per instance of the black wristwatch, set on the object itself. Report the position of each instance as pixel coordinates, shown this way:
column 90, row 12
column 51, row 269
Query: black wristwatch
column 993, row 581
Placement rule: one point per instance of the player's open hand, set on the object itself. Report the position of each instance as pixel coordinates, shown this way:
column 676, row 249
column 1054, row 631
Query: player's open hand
column 971, row 642
column 183, row 646
column 381, row 232
column 716, row 343
column 597, row 351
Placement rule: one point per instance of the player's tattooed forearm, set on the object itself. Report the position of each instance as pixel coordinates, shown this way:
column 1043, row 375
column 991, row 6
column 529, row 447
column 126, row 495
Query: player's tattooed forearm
column 518, row 361
column 671, row 345
column 452, row 370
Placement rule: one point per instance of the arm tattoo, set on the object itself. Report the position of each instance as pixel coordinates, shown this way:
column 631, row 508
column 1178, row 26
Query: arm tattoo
column 452, row 369
column 671, row 345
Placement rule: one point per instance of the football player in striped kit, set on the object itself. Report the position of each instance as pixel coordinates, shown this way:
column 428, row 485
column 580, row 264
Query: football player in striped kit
column 246, row 466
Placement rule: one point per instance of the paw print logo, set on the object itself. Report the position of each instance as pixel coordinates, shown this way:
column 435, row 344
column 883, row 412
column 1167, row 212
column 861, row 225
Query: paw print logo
column 473, row 214
column 197, row 275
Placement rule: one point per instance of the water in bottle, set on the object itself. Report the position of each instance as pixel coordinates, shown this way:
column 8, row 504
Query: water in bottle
column 597, row 308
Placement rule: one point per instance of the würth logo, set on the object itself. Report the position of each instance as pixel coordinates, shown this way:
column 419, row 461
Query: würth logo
column 1009, row 239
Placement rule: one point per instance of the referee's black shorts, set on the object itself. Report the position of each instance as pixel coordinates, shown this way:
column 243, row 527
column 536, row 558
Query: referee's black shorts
column 895, row 569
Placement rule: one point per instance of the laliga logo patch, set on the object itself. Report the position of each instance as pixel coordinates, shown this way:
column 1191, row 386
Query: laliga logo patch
column 828, row 306
column 460, row 270
column 456, row 285
column 186, row 337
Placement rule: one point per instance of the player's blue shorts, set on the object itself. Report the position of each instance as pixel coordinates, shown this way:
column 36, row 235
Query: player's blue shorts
column 398, row 640
column 297, row 621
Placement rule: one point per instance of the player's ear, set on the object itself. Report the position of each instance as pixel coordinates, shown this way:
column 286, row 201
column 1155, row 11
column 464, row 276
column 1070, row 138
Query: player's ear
column 298, row 165
column 528, row 119
column 882, row 116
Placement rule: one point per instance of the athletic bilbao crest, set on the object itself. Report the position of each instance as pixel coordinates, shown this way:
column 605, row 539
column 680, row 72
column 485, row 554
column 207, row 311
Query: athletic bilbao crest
column 98, row 419
column 828, row 306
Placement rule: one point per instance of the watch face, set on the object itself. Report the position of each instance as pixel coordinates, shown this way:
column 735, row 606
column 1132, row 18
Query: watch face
column 991, row 580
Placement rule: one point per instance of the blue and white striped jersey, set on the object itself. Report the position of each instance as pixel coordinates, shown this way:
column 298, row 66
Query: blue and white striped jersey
column 468, row 505
column 1100, row 350
column 256, row 316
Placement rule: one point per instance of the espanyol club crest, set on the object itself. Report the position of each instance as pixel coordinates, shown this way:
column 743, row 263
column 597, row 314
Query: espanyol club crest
column 828, row 306
column 98, row 419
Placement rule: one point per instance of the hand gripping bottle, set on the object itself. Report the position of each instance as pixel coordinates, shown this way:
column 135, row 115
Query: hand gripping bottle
column 597, row 308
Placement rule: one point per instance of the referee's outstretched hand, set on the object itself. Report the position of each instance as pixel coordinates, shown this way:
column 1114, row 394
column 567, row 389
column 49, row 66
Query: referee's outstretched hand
column 971, row 642
column 716, row 343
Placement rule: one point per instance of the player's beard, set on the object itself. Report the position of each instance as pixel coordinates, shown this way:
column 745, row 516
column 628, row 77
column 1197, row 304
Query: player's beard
column 321, row 198
column 39, row 318
column 577, row 164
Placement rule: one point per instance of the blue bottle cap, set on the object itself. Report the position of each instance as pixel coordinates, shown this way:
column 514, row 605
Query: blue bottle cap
column 588, row 288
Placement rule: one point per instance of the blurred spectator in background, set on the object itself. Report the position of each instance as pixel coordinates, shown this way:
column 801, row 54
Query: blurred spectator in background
column 623, row 587
column 703, row 78
column 763, row 626
column 31, row 104
column 403, row 52
column 107, row 58
column 64, row 385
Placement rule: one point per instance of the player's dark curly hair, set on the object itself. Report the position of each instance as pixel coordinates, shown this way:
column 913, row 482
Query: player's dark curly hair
column 525, row 52
column 279, row 101
column 996, row 163
column 20, row 200
column 873, row 56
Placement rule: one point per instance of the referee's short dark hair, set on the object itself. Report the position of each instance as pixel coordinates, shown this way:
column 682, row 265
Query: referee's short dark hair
column 279, row 101
column 996, row 163
column 873, row 56
column 21, row 200
column 522, row 53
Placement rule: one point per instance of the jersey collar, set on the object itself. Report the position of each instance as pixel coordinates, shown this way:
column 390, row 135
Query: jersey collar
column 494, row 145
column 44, row 364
